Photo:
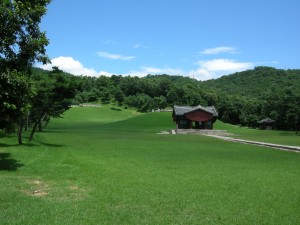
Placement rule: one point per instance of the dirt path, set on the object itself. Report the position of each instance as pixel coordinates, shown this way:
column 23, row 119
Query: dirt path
column 277, row 146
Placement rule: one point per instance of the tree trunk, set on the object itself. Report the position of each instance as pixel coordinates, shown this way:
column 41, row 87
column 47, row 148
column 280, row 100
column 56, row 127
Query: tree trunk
column 33, row 130
column 47, row 121
column 20, row 126
column 36, row 124
column 41, row 121
column 40, row 126
column 27, row 122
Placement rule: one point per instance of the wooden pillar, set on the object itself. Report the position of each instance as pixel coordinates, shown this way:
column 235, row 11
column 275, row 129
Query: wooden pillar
column 190, row 124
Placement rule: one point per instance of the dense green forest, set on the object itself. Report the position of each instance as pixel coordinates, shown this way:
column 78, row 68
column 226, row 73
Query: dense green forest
column 242, row 98
column 253, row 83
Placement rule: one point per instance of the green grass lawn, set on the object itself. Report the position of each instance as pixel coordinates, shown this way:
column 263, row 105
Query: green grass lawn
column 270, row 136
column 109, row 166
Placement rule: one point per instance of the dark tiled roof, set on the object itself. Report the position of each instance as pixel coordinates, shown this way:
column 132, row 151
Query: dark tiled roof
column 181, row 110
column 267, row 120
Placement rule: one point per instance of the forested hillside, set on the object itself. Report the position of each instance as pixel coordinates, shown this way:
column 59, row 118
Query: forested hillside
column 242, row 98
column 246, row 97
column 255, row 82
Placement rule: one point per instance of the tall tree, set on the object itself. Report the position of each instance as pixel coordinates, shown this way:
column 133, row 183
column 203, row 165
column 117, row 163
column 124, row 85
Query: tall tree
column 21, row 44
column 15, row 95
column 54, row 92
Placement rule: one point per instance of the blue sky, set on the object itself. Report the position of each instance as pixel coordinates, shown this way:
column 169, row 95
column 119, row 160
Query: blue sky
column 196, row 38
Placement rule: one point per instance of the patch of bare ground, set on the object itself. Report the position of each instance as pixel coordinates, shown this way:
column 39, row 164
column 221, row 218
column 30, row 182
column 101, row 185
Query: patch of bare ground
column 54, row 192
column 37, row 188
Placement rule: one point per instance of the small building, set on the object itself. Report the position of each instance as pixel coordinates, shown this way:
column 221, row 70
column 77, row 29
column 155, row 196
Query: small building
column 194, row 117
column 267, row 124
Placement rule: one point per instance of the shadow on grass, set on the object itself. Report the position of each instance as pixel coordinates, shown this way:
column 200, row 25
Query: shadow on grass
column 31, row 144
column 51, row 145
column 7, row 163
column 6, row 145
column 289, row 133
column 115, row 109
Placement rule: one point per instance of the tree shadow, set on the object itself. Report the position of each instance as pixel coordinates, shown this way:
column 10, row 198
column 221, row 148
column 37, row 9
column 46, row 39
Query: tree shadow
column 52, row 145
column 7, row 163
column 115, row 109
column 289, row 133
column 6, row 145
column 29, row 144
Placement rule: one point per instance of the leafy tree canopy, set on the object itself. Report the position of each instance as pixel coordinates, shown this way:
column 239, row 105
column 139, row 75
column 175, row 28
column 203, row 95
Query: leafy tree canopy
column 21, row 41
column 21, row 44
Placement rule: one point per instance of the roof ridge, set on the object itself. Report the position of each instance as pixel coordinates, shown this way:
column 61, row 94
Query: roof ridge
column 181, row 110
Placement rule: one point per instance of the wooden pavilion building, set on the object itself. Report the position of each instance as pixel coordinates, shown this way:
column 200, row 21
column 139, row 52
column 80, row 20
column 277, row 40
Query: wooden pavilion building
column 194, row 117
column 267, row 124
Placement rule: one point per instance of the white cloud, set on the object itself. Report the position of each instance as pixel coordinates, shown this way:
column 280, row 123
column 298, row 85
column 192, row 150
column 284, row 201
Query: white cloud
column 104, row 73
column 145, row 70
column 224, row 65
column 267, row 62
column 200, row 74
column 70, row 65
column 211, row 69
column 108, row 55
column 218, row 50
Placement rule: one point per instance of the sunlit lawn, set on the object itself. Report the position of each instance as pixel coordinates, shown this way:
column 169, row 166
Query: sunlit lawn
column 270, row 136
column 104, row 166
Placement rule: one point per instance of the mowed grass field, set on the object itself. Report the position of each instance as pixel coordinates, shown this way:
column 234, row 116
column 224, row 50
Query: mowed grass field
column 109, row 166
column 269, row 136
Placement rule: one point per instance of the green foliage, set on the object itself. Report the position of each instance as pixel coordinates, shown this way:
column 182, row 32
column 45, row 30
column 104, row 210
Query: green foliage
column 15, row 95
column 242, row 98
column 119, row 96
column 244, row 103
column 256, row 94
column 54, row 93
column 21, row 44
column 21, row 41
column 253, row 83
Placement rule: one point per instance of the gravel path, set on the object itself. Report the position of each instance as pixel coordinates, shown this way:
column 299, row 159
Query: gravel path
column 277, row 146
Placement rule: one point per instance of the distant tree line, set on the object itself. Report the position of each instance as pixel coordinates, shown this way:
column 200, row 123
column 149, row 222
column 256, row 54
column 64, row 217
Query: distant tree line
column 243, row 98
column 252, row 95
column 47, row 94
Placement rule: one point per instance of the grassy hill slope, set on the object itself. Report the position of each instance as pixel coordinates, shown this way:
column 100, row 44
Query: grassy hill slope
column 105, row 166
